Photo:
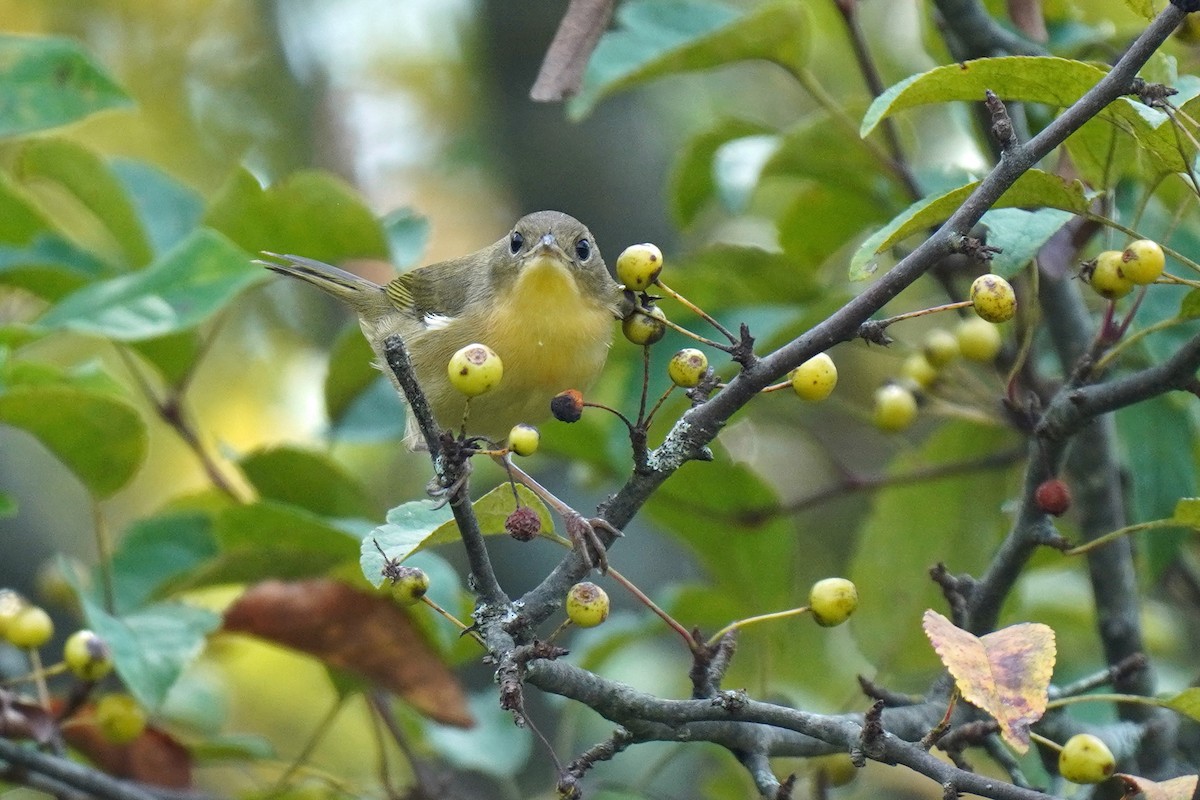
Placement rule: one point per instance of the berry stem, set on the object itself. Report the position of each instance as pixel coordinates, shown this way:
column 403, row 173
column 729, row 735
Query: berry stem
column 1104, row 698
column 884, row 323
column 1044, row 742
column 39, row 678
column 1135, row 337
column 725, row 348
column 742, row 623
column 648, row 417
column 455, row 621
column 695, row 309
column 1100, row 541
column 1133, row 234
column 663, row 615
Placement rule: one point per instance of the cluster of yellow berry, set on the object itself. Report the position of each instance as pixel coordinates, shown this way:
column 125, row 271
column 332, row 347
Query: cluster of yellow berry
column 85, row 655
column 1114, row 273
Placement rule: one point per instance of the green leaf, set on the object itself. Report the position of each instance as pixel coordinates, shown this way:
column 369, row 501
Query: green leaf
column 1143, row 8
column 911, row 527
column 227, row 747
column 1034, row 189
column 312, row 213
column 152, row 647
column 488, row 746
column 98, row 437
column 49, row 266
column 269, row 539
column 168, row 210
column 350, row 371
column 1057, row 82
column 692, row 183
column 1187, row 512
column 308, row 480
column 407, row 235
column 20, row 219
column 155, row 551
column 1186, row 702
column 1020, row 235
column 58, row 168
column 48, row 81
column 1158, row 477
column 1189, row 307
column 729, row 276
column 172, row 355
column 375, row 414
column 8, row 506
column 655, row 38
column 416, row 525
column 177, row 292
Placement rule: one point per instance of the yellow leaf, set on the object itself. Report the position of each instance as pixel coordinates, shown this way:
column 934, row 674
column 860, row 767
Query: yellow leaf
column 1005, row 673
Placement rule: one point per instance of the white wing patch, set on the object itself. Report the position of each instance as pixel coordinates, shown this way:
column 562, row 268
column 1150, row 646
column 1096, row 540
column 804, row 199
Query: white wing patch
column 436, row 322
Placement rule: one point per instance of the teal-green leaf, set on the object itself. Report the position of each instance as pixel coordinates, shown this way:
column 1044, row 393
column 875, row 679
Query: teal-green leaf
column 1187, row 512
column 1160, row 476
column 157, row 550
column 1057, row 82
column 49, row 266
column 100, row 438
column 407, row 235
column 178, row 291
column 74, row 170
column 309, row 480
column 1020, row 234
column 269, row 539
column 168, row 210
column 350, row 371
column 152, row 647
column 655, row 38
column 417, row 525
column 1034, row 189
column 313, row 213
column 49, row 81
column 692, row 184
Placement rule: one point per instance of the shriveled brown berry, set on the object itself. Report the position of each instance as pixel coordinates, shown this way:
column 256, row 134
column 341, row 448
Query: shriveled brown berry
column 567, row 406
column 1053, row 497
column 523, row 524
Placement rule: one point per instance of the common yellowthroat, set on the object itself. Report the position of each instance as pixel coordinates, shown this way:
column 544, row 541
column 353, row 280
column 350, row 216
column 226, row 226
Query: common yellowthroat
column 541, row 297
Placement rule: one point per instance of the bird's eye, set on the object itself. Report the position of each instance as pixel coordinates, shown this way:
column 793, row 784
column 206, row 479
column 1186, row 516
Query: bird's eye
column 514, row 244
column 583, row 249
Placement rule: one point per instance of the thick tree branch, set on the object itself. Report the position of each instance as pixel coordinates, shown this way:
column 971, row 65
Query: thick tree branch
column 566, row 60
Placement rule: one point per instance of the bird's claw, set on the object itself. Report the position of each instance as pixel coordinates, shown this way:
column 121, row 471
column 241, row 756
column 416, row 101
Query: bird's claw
column 584, row 536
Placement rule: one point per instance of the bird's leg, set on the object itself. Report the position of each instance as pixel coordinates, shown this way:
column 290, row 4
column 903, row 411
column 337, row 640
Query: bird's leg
column 581, row 530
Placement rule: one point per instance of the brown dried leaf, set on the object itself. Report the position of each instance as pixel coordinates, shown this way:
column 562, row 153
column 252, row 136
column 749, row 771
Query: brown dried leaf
column 1006, row 673
column 154, row 758
column 20, row 719
column 1182, row 788
column 362, row 633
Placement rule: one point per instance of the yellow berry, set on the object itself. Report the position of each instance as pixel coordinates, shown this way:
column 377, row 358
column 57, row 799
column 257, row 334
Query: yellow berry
column 832, row 601
column 1104, row 274
column 993, row 298
column 940, row 348
column 895, row 408
column 1142, row 261
column 524, row 439
column 639, row 265
column 11, row 604
column 409, row 584
column 645, row 327
column 687, row 367
column 1085, row 759
column 816, row 378
column 120, row 718
column 587, row 605
column 918, row 370
column 978, row 339
column 31, row 627
column 837, row 768
column 475, row 369
column 87, row 655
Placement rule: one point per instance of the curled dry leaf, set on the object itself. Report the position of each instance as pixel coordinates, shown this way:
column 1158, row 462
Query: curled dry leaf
column 155, row 758
column 1181, row 788
column 1006, row 673
column 362, row 633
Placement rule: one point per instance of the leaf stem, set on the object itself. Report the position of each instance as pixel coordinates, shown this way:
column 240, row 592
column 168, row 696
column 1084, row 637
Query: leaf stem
column 1136, row 699
column 1100, row 541
column 742, row 623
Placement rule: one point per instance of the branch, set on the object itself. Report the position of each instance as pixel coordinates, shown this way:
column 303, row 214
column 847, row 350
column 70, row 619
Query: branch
column 977, row 32
column 566, row 59
column 91, row 781
column 450, row 473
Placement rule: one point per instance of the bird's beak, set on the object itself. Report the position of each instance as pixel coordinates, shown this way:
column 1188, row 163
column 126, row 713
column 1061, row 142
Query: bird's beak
column 548, row 246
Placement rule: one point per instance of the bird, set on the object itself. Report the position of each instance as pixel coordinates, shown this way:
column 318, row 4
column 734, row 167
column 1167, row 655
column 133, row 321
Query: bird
column 541, row 297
